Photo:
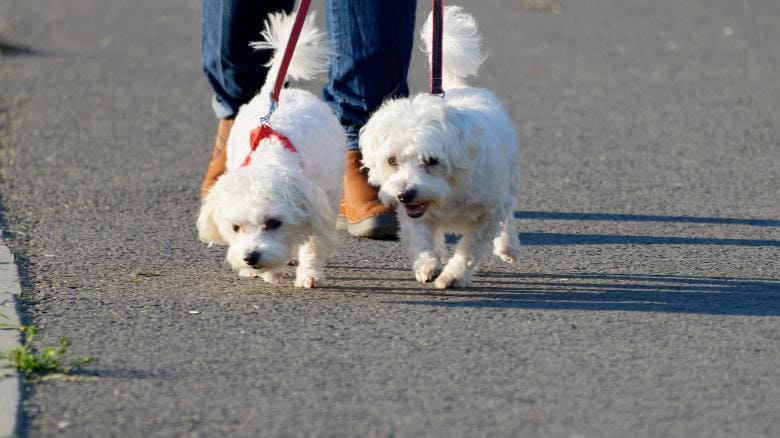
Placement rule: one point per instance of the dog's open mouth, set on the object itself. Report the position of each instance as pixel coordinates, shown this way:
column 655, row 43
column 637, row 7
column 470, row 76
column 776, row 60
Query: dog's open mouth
column 416, row 210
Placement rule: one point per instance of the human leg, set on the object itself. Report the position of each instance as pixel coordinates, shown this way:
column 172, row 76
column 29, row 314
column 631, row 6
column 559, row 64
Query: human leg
column 371, row 42
column 234, row 70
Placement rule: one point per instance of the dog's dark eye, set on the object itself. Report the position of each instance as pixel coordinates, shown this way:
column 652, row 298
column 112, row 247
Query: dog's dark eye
column 272, row 224
column 430, row 161
column 392, row 161
column 236, row 228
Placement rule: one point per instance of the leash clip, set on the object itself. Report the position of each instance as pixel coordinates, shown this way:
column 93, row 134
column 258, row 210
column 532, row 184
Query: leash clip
column 266, row 119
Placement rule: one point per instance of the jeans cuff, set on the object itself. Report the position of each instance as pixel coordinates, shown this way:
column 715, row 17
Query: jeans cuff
column 352, row 142
column 222, row 110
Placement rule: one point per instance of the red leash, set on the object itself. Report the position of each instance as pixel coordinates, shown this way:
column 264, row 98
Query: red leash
column 265, row 130
column 437, row 13
column 300, row 17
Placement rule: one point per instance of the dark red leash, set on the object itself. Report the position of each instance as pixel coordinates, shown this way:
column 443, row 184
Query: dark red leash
column 437, row 13
column 300, row 17
column 265, row 130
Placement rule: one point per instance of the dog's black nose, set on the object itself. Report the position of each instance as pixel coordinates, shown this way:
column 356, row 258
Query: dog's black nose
column 252, row 258
column 407, row 196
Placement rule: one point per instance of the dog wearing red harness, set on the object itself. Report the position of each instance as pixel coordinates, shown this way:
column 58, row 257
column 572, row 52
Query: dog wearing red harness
column 278, row 198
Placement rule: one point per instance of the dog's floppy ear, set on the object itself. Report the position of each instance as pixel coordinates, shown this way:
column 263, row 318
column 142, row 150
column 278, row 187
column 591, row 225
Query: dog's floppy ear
column 376, row 137
column 207, row 226
column 323, row 217
column 465, row 135
column 372, row 147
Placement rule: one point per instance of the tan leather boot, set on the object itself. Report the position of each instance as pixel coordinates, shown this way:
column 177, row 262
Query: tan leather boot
column 218, row 157
column 366, row 216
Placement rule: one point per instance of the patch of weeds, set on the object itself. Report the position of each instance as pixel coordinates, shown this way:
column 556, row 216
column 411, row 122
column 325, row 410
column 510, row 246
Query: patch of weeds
column 36, row 363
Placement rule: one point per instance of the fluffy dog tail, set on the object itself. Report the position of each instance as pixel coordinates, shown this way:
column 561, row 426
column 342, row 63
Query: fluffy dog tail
column 310, row 56
column 461, row 46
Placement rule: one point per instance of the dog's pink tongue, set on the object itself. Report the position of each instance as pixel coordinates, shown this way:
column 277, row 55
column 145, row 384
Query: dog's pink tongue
column 415, row 210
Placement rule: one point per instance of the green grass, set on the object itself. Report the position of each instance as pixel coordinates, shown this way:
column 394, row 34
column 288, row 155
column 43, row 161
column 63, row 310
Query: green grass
column 37, row 362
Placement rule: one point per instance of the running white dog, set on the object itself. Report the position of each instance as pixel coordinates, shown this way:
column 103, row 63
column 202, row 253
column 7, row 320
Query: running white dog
column 283, row 204
column 452, row 163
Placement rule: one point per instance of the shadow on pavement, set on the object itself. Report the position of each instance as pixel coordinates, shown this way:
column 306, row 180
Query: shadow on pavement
column 599, row 292
column 540, row 238
column 536, row 239
column 618, row 292
column 603, row 292
column 7, row 48
column 557, row 215
column 123, row 374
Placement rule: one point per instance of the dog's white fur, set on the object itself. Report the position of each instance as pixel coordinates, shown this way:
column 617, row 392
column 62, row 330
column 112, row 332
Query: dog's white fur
column 455, row 157
column 300, row 190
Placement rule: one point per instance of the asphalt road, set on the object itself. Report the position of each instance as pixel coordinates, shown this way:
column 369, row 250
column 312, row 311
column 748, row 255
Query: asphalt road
column 647, row 302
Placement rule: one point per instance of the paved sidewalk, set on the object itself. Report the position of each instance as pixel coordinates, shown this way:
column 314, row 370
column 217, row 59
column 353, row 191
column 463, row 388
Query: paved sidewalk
column 647, row 302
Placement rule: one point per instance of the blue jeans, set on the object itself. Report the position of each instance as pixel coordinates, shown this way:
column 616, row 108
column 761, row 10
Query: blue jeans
column 234, row 70
column 371, row 42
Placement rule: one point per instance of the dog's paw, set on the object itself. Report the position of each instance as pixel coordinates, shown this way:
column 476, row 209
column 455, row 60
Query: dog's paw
column 248, row 273
column 292, row 262
column 507, row 254
column 448, row 280
column 426, row 272
column 271, row 277
column 426, row 269
column 309, row 281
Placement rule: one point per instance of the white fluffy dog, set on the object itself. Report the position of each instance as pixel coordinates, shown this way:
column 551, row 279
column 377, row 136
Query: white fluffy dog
column 451, row 162
column 283, row 204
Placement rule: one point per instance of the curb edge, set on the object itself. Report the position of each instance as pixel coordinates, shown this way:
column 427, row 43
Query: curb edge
column 10, row 382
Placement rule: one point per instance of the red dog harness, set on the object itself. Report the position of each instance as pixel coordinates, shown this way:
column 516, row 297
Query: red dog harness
column 265, row 131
